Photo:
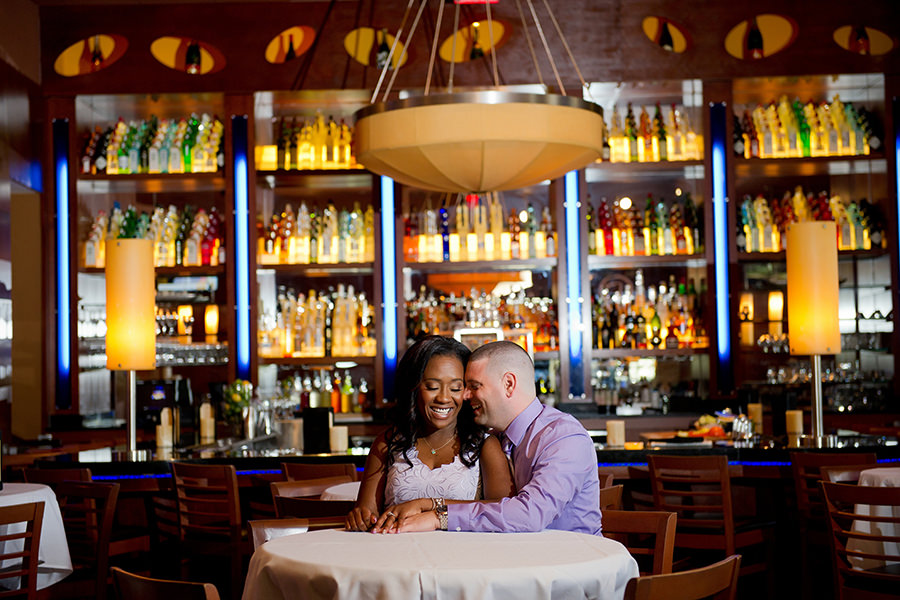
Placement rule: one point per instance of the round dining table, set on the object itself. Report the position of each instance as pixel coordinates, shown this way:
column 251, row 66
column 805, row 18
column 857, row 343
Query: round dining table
column 53, row 554
column 342, row 491
column 337, row 564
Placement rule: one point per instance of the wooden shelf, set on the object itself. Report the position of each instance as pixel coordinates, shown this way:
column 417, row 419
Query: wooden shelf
column 320, row 270
column 617, row 171
column 646, row 352
column 171, row 271
column 151, row 182
column 526, row 264
column 750, row 257
column 811, row 166
column 633, row 262
column 315, row 360
column 313, row 179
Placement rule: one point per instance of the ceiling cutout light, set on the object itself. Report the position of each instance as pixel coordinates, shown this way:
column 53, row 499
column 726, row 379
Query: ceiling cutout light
column 667, row 34
column 474, row 41
column 478, row 141
column 289, row 44
column 90, row 55
column 760, row 37
column 866, row 41
column 187, row 55
column 371, row 47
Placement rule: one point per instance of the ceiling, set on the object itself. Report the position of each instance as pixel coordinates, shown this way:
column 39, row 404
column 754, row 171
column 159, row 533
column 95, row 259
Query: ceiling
column 605, row 37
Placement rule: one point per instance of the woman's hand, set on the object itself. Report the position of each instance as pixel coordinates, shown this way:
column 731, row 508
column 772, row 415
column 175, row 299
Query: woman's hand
column 360, row 519
column 395, row 514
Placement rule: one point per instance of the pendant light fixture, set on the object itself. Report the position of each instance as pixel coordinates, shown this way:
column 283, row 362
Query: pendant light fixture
column 477, row 141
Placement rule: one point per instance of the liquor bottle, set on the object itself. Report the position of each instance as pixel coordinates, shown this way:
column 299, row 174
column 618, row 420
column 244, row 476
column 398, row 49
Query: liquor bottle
column 363, row 400
column 547, row 229
column 530, row 227
column 514, row 231
column 383, row 50
column 693, row 225
column 859, row 41
column 650, row 228
column 606, row 149
column 347, row 394
column 369, row 234
column 192, row 58
column 335, row 391
column 476, row 51
column 290, row 54
column 631, row 135
column 665, row 37
column 660, row 147
column 754, row 41
column 645, row 142
column 618, row 150
column 751, row 141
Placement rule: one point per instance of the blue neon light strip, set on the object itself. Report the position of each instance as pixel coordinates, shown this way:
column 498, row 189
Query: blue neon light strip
column 897, row 164
column 241, row 246
column 573, row 277
column 388, row 274
column 720, row 230
column 63, row 273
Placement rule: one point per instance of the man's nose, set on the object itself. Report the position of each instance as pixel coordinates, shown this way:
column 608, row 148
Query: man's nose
column 467, row 394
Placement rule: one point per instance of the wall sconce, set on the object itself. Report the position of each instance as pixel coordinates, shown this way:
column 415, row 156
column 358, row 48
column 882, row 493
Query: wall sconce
column 665, row 33
column 812, row 286
column 211, row 322
column 760, row 36
column 130, row 318
column 776, row 312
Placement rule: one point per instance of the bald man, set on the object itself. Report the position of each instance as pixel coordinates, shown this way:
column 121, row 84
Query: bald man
column 552, row 456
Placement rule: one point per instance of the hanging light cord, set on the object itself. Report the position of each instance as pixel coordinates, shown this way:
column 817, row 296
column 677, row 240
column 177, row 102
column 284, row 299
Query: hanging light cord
column 565, row 44
column 492, row 49
column 391, row 53
column 434, row 43
column 412, row 31
column 453, row 48
column 537, row 67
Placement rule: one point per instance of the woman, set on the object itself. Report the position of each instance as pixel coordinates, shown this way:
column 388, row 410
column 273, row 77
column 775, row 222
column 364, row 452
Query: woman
column 433, row 449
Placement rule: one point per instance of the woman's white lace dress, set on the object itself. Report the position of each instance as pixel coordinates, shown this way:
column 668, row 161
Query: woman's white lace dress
column 454, row 481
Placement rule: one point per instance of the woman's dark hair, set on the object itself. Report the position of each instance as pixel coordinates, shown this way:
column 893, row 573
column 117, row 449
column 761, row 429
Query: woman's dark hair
column 406, row 420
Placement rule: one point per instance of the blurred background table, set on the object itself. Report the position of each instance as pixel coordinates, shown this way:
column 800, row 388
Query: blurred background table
column 342, row 491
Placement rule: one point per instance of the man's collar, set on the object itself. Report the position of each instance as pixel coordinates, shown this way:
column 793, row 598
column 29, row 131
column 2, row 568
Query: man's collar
column 515, row 431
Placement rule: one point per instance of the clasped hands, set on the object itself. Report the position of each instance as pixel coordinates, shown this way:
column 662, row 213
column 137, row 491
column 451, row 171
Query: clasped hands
column 415, row 515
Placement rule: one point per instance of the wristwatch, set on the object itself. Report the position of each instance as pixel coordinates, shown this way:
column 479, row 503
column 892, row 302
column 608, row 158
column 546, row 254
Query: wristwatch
column 441, row 512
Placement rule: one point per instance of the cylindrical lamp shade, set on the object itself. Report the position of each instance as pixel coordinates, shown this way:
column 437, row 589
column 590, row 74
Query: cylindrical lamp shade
column 812, row 288
column 130, row 305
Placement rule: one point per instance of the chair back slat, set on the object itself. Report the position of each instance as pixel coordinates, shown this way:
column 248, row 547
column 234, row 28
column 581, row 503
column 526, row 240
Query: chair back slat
column 864, row 522
column 52, row 476
column 306, row 488
column 301, row 470
column 644, row 533
column 20, row 549
column 717, row 581
column 611, row 497
column 806, row 469
column 137, row 587
column 207, row 500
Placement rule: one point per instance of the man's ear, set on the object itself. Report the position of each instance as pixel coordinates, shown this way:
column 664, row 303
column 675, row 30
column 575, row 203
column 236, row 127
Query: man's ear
column 508, row 383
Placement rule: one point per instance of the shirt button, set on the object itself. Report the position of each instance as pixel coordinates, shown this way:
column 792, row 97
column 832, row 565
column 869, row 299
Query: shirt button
column 459, row 528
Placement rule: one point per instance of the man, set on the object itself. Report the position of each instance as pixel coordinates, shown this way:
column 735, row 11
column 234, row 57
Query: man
column 552, row 456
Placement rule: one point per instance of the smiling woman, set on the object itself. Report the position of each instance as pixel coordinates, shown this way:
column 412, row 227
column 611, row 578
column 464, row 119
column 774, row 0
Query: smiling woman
column 433, row 448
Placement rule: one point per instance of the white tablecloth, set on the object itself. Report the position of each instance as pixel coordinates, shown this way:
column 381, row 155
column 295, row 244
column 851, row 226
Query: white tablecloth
column 338, row 564
column 342, row 491
column 878, row 477
column 54, row 551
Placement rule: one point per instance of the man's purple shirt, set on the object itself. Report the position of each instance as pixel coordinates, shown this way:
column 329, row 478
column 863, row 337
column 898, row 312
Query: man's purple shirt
column 555, row 466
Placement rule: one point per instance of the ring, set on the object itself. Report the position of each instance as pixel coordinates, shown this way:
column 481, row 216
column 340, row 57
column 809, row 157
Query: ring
column 392, row 514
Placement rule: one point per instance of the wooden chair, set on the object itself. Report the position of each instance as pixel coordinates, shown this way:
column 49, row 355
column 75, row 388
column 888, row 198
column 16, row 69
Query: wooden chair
column 298, row 470
column 209, row 515
column 306, row 488
column 844, row 473
column 606, row 478
column 32, row 515
column 812, row 519
column 124, row 540
column 165, row 541
column 286, row 506
column 130, row 586
column 611, row 497
column 698, row 490
column 639, row 496
column 87, row 510
column 50, row 477
column 648, row 535
column 718, row 581
column 865, row 530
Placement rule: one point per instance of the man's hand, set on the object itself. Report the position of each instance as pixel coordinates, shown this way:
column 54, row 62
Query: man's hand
column 398, row 512
column 360, row 519
column 424, row 521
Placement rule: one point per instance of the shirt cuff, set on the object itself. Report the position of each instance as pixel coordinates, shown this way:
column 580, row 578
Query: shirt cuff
column 456, row 515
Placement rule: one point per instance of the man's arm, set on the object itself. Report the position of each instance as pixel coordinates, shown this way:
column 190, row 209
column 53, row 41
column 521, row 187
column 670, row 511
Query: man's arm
column 559, row 472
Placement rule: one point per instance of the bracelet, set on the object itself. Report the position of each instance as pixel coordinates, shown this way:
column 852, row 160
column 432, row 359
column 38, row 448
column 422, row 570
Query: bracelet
column 442, row 517
column 437, row 503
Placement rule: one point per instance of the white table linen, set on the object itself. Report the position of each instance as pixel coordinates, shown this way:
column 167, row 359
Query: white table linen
column 338, row 564
column 342, row 491
column 878, row 477
column 56, row 563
